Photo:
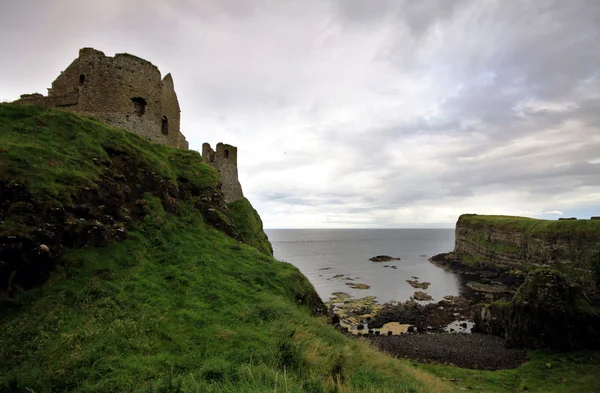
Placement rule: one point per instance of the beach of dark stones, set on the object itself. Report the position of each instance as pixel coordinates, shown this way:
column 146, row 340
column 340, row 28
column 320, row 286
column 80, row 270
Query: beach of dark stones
column 474, row 351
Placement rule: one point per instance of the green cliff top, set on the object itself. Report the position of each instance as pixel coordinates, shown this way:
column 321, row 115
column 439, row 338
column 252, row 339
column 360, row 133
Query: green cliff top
column 532, row 225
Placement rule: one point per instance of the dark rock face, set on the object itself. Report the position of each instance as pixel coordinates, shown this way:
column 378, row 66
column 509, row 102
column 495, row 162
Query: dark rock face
column 97, row 216
column 547, row 311
column 383, row 258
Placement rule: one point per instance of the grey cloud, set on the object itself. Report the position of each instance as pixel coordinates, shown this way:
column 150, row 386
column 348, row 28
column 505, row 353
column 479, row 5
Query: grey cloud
column 348, row 111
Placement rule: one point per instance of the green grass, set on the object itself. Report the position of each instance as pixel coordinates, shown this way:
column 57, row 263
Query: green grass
column 249, row 225
column 55, row 154
column 545, row 372
column 586, row 228
column 179, row 306
column 182, row 305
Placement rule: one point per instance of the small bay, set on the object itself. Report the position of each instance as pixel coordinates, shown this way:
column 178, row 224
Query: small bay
column 333, row 259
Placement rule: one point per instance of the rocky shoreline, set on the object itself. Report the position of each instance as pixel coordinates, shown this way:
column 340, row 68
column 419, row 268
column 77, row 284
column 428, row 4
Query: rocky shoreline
column 435, row 332
column 427, row 331
column 506, row 312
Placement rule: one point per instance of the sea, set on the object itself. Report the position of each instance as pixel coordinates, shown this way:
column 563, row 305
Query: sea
column 334, row 258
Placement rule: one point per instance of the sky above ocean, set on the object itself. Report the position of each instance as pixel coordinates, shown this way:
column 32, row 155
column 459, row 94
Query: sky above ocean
column 352, row 113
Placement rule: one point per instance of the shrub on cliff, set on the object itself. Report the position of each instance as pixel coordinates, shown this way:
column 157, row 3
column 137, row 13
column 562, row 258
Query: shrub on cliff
column 547, row 311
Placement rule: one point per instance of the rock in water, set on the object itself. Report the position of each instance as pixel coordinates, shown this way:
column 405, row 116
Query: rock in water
column 417, row 284
column 546, row 311
column 422, row 296
column 383, row 258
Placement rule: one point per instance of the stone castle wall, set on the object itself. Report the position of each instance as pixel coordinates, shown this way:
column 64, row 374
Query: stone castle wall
column 126, row 91
column 123, row 91
column 224, row 159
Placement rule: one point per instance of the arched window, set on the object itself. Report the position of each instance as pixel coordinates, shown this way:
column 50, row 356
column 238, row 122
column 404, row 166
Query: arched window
column 164, row 127
column 226, row 153
column 139, row 105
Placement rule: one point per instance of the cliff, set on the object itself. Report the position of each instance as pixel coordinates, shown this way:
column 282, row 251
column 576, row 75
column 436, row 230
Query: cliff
column 122, row 269
column 517, row 244
column 546, row 311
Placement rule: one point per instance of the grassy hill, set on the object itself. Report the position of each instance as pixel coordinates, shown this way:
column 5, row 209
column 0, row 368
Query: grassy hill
column 177, row 303
column 148, row 282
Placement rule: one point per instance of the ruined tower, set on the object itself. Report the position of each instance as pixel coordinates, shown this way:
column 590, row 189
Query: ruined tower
column 224, row 159
column 123, row 91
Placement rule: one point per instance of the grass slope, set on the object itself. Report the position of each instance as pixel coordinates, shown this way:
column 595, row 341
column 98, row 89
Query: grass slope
column 183, row 307
column 545, row 372
column 249, row 225
column 56, row 154
column 179, row 306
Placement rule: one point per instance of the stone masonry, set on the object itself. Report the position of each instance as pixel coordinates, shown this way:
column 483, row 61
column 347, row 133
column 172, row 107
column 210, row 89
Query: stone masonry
column 126, row 91
column 123, row 91
column 225, row 161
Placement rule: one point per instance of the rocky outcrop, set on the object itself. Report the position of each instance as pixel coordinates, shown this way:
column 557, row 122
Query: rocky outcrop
column 518, row 244
column 383, row 258
column 547, row 311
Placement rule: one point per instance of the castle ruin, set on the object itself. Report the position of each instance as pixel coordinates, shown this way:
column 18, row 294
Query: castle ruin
column 123, row 91
column 128, row 92
column 224, row 159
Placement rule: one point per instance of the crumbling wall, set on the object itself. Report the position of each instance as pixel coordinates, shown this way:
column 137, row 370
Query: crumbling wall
column 171, row 113
column 224, row 159
column 111, row 87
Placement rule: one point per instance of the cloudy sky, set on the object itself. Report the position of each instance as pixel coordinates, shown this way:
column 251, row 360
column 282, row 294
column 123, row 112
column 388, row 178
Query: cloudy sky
column 358, row 113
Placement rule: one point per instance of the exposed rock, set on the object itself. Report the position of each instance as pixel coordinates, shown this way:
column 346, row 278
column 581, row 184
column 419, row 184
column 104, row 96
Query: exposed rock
column 422, row 296
column 417, row 284
column 547, row 311
column 357, row 285
column 516, row 245
column 383, row 258
column 453, row 263
column 490, row 288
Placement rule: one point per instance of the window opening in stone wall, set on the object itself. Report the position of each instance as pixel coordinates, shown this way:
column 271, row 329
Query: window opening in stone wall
column 226, row 153
column 165, row 125
column 139, row 105
column 81, row 79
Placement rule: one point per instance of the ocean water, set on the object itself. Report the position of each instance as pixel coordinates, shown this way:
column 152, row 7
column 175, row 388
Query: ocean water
column 322, row 254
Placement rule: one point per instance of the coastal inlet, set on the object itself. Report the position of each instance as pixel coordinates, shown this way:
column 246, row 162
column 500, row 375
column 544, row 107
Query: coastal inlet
column 338, row 260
